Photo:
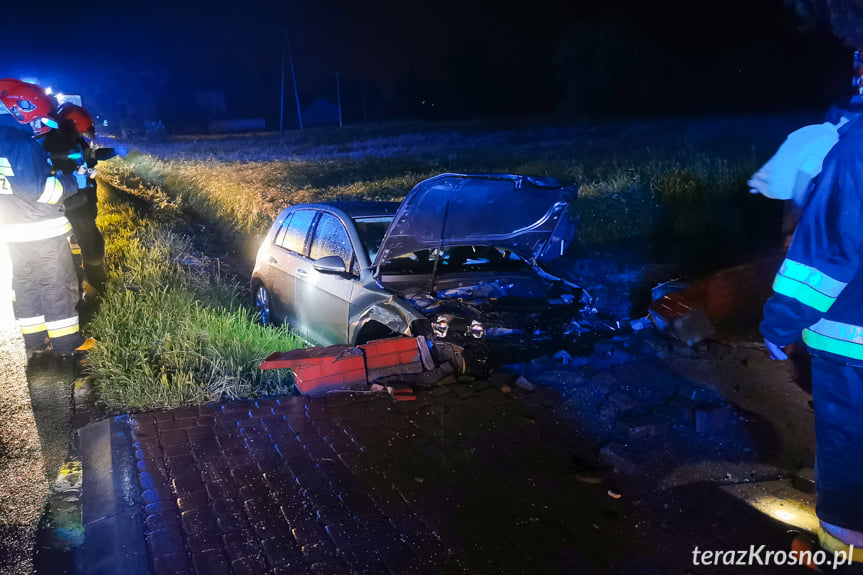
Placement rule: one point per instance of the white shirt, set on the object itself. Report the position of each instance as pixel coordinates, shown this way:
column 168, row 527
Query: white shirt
column 787, row 174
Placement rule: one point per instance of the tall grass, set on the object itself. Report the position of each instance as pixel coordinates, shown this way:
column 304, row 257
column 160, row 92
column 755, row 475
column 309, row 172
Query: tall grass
column 171, row 329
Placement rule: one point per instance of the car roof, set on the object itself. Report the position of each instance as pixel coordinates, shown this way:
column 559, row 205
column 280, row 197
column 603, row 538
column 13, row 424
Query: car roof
column 355, row 208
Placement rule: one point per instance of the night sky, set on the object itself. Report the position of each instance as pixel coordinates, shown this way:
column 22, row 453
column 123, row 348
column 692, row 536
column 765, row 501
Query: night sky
column 444, row 59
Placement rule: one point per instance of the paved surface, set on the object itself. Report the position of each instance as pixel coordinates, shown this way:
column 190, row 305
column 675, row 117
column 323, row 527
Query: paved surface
column 466, row 479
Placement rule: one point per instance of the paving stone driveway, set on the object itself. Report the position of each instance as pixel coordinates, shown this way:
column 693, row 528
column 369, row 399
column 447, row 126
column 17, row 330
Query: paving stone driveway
column 466, row 479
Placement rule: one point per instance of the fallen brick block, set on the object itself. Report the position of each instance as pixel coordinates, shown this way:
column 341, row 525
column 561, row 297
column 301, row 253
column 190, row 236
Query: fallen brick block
column 710, row 418
column 618, row 457
column 677, row 314
column 636, row 426
column 321, row 369
column 392, row 356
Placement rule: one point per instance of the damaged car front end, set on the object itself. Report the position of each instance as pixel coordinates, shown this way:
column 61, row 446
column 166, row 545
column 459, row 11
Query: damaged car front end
column 460, row 259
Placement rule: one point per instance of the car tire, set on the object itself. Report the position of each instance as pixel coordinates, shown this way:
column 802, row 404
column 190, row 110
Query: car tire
column 262, row 305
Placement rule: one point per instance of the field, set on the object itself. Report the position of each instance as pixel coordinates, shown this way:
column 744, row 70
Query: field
column 182, row 217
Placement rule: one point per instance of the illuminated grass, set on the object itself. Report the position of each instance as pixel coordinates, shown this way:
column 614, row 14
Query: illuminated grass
column 637, row 180
column 171, row 330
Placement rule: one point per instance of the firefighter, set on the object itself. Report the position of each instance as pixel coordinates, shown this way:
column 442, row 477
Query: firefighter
column 818, row 294
column 33, row 224
column 70, row 150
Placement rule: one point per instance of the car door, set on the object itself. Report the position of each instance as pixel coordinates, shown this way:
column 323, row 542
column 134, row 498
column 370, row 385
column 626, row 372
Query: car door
column 323, row 299
column 288, row 251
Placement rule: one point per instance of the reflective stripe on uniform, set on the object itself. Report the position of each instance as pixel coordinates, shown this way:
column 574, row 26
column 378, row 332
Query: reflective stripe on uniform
column 29, row 325
column 807, row 285
column 6, row 168
column 62, row 327
column 835, row 337
column 53, row 191
column 33, row 231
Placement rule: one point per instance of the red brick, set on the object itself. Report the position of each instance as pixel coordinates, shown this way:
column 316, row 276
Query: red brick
column 297, row 357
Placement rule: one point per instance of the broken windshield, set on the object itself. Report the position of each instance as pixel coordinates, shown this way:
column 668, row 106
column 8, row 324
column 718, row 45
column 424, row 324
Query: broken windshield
column 456, row 259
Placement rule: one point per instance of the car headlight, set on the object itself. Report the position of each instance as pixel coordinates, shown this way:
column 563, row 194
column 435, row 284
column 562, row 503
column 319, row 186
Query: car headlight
column 441, row 326
column 475, row 330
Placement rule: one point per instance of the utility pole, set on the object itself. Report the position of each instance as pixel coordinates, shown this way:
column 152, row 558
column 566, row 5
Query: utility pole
column 286, row 41
column 282, row 105
column 294, row 79
column 339, row 99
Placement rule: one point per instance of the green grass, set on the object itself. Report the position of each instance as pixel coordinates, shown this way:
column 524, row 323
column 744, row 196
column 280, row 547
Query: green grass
column 172, row 330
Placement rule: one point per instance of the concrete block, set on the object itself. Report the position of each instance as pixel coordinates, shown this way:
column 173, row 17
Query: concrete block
column 618, row 457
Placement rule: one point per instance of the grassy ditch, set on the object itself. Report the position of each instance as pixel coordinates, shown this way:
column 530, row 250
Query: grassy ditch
column 171, row 329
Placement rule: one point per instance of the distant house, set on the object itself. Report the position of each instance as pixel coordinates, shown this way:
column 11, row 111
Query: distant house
column 321, row 112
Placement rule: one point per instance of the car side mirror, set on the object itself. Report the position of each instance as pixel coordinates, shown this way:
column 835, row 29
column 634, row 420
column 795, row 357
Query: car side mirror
column 330, row 265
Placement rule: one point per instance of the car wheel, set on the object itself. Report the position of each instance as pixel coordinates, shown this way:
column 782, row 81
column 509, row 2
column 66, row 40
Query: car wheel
column 262, row 304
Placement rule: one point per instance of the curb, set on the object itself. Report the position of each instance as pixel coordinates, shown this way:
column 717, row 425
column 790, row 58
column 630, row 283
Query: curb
column 111, row 500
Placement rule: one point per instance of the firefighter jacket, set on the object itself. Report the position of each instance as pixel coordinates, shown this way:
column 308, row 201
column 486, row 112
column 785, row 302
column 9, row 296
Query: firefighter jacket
column 818, row 291
column 31, row 193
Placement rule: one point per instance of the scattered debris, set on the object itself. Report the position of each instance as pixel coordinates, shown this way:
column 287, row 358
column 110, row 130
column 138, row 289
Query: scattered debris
column 524, row 384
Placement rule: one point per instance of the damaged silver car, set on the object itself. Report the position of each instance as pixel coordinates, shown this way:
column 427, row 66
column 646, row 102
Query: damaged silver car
column 460, row 259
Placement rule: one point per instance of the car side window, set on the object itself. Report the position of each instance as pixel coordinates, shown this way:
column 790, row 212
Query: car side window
column 298, row 230
column 280, row 235
column 331, row 239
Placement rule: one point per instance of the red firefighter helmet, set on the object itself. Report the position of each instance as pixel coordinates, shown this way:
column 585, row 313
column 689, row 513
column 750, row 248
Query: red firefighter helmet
column 81, row 118
column 26, row 102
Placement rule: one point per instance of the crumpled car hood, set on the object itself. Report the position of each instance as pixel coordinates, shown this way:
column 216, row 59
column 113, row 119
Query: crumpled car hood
column 525, row 215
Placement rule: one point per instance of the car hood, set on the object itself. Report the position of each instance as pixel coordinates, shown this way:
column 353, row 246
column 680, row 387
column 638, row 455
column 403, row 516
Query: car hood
column 523, row 214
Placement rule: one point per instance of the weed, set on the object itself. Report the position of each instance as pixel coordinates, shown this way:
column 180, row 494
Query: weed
column 171, row 332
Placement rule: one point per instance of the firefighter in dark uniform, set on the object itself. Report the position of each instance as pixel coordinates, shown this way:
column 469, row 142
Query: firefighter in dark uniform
column 818, row 295
column 71, row 152
column 33, row 224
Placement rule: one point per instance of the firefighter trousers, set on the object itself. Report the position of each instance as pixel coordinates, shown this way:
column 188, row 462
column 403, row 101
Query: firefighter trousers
column 837, row 393
column 46, row 293
column 89, row 238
